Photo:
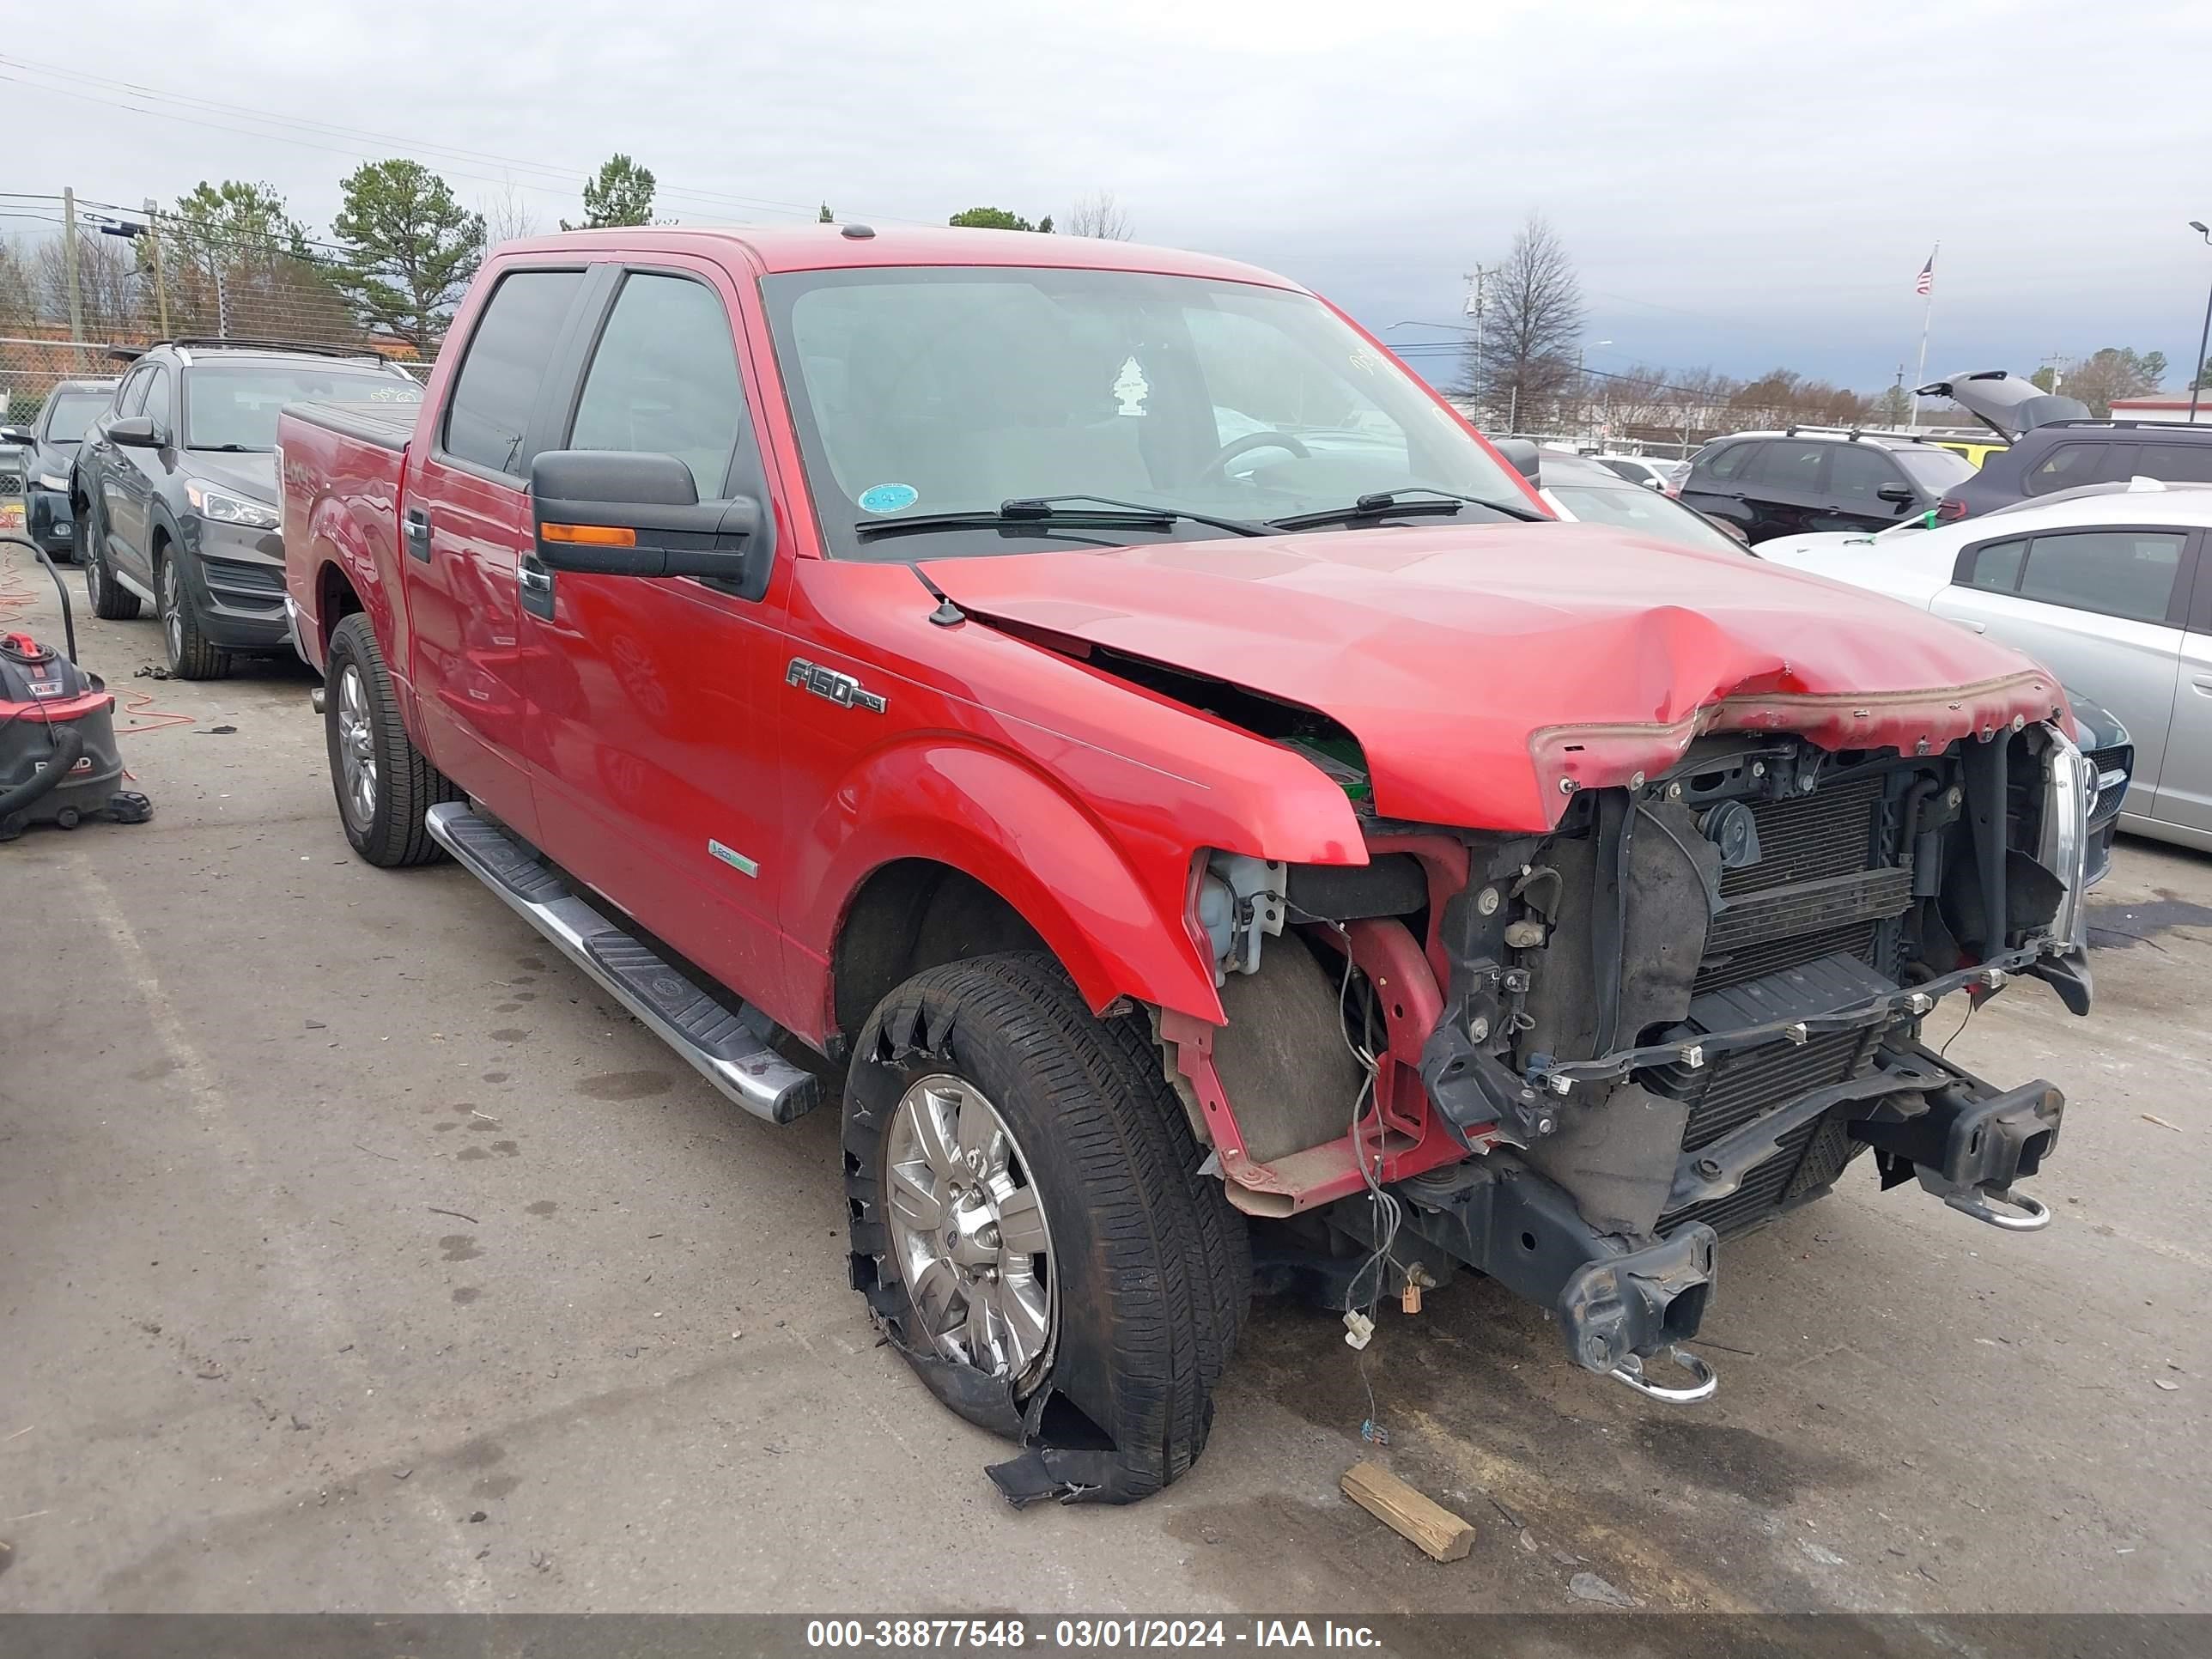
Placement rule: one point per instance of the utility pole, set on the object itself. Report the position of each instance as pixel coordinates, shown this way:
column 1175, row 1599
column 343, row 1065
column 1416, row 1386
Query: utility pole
column 1474, row 309
column 161, row 280
column 68, row 263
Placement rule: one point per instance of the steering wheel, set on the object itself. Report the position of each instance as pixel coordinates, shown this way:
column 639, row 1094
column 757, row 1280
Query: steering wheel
column 1252, row 440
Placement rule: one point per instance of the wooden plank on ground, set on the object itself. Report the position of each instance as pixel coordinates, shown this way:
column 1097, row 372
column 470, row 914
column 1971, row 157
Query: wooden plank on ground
column 1440, row 1534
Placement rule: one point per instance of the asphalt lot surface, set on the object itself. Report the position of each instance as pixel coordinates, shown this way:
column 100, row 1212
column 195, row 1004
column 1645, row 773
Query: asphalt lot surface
column 358, row 1255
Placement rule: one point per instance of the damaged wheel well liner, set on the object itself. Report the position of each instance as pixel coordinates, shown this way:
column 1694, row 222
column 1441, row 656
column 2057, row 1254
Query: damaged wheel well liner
column 1154, row 1268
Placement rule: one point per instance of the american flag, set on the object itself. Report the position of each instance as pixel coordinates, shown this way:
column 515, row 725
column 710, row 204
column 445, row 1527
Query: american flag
column 1927, row 283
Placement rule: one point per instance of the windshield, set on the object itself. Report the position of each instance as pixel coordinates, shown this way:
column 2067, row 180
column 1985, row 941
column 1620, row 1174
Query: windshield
column 72, row 412
column 234, row 407
column 923, row 390
column 1933, row 469
column 1646, row 512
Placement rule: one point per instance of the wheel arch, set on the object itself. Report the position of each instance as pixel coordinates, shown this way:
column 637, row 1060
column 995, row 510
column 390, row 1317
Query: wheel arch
column 1003, row 854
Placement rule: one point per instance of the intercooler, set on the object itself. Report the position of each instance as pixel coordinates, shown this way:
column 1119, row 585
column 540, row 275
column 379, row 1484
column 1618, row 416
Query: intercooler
column 1802, row 930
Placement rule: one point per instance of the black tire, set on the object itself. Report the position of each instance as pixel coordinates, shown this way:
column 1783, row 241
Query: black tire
column 193, row 655
column 403, row 785
column 110, row 602
column 1164, row 1264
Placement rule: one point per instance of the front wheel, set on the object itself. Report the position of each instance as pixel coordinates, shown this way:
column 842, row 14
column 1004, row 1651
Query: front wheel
column 193, row 655
column 1029, row 1224
column 385, row 785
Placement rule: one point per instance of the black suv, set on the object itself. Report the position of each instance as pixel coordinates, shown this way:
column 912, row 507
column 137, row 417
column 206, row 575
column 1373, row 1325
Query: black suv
column 175, row 488
column 2053, row 444
column 1805, row 479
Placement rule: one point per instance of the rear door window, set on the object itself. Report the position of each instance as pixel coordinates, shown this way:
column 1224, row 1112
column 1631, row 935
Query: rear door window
column 2176, row 462
column 1994, row 568
column 2066, row 465
column 664, row 380
column 1856, row 474
column 494, row 396
column 1790, row 467
column 2114, row 573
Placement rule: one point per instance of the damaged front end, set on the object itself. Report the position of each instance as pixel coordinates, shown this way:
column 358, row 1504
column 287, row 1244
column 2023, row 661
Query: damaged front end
column 1579, row 1059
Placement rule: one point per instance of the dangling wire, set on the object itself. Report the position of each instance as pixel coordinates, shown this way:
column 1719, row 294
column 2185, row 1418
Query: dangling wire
column 1384, row 1211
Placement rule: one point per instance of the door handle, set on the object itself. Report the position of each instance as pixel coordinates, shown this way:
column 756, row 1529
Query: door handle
column 1968, row 621
column 533, row 585
column 417, row 524
column 2202, row 684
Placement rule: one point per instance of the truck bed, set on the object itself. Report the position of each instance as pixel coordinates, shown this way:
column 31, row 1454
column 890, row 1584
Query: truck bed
column 386, row 425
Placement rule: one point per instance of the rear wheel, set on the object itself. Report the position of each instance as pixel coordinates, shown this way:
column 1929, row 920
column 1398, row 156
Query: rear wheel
column 192, row 656
column 383, row 782
column 1027, row 1215
column 109, row 601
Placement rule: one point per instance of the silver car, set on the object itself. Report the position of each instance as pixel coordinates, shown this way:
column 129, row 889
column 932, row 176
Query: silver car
column 2103, row 588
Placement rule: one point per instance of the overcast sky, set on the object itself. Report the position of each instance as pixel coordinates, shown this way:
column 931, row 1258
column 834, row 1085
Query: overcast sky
column 1741, row 185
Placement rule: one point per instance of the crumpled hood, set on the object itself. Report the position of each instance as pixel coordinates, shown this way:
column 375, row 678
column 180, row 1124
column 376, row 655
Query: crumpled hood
column 1488, row 671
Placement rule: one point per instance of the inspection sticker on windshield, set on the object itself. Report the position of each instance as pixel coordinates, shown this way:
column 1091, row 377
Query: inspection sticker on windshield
column 889, row 498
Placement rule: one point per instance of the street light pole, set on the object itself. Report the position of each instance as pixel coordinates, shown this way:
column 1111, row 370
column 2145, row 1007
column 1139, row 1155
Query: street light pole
column 2205, row 336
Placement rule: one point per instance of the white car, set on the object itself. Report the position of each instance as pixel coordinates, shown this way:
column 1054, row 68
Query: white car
column 1665, row 476
column 2103, row 588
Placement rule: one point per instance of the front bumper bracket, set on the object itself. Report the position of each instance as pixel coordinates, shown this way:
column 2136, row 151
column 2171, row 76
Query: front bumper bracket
column 1617, row 1303
column 1969, row 1151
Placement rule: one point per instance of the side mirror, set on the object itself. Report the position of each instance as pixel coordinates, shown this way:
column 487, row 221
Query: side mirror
column 135, row 432
column 1653, row 483
column 1901, row 494
column 613, row 512
column 17, row 434
column 1521, row 455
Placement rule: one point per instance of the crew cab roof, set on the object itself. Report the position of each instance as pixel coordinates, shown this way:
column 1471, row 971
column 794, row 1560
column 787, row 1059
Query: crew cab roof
column 826, row 247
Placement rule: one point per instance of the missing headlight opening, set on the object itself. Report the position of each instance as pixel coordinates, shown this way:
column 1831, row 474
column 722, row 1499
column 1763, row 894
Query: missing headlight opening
column 1579, row 1061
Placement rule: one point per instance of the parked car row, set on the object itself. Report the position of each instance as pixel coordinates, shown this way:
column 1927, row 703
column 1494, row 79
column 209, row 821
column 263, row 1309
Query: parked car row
column 2107, row 585
column 162, row 484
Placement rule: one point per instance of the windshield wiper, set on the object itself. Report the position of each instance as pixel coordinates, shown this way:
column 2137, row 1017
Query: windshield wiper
column 225, row 449
column 1019, row 511
column 1414, row 498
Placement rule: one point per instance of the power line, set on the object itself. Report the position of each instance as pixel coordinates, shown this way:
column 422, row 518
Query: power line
column 194, row 111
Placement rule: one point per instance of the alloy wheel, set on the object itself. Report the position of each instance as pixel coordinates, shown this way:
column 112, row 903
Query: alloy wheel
column 356, row 747
column 172, row 612
column 968, row 1225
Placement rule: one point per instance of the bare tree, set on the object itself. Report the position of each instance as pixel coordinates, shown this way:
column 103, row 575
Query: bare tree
column 19, row 289
column 1523, row 368
column 1099, row 215
column 107, row 289
column 507, row 217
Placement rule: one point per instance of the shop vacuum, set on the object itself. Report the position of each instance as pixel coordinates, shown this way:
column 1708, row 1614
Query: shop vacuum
column 58, row 762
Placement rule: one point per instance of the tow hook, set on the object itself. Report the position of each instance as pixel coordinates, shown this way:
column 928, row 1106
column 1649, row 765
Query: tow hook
column 2034, row 1215
column 1630, row 1371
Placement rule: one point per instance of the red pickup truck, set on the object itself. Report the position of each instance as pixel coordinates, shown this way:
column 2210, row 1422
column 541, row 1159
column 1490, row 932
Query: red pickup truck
column 1096, row 699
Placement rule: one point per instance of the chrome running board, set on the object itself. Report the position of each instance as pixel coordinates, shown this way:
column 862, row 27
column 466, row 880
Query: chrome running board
column 730, row 1051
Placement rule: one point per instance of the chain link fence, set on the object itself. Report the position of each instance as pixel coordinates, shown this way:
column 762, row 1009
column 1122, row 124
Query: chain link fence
column 78, row 307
